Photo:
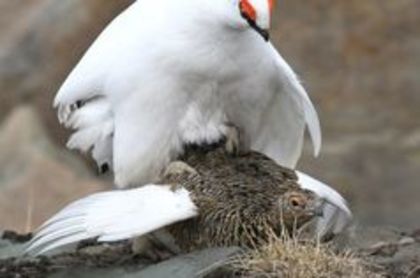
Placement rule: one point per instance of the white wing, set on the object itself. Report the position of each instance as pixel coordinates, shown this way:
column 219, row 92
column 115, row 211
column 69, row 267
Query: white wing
column 86, row 81
column 293, row 87
column 81, row 101
column 128, row 93
column 337, row 216
column 84, row 102
column 282, row 130
column 127, row 79
column 114, row 215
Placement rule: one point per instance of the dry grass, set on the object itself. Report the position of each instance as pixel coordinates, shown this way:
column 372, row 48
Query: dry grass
column 288, row 258
column 30, row 210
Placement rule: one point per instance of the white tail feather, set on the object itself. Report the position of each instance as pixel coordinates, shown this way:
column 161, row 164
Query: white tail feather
column 337, row 216
column 312, row 122
column 114, row 215
column 293, row 86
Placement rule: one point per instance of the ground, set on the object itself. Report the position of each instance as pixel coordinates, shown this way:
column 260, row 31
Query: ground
column 374, row 252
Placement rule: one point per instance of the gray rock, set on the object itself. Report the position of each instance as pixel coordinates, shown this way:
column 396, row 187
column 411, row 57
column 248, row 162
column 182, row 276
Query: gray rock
column 36, row 178
column 386, row 250
column 365, row 237
column 397, row 254
column 41, row 41
column 10, row 249
column 113, row 262
column 196, row 264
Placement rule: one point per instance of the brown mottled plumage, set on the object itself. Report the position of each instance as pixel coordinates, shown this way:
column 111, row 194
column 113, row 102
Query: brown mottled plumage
column 242, row 199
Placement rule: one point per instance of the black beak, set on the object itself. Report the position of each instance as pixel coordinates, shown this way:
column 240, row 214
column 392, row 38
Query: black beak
column 264, row 33
column 318, row 212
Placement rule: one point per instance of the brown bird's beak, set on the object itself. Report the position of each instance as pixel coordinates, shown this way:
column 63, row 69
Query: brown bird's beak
column 318, row 212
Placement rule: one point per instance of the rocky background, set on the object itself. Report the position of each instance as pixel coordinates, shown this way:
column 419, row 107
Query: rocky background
column 358, row 59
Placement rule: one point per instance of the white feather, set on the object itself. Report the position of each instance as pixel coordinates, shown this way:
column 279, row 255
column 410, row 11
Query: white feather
column 86, row 79
column 153, row 81
column 337, row 216
column 87, row 138
column 102, row 152
column 92, row 112
column 303, row 105
column 114, row 215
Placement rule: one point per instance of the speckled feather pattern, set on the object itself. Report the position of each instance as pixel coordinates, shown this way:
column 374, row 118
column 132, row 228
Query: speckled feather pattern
column 211, row 198
column 237, row 198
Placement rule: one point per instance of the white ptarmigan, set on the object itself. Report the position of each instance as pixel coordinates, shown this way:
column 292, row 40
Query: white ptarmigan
column 166, row 73
column 170, row 72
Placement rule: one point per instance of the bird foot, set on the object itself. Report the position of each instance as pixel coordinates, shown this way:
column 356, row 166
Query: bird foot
column 233, row 143
column 178, row 168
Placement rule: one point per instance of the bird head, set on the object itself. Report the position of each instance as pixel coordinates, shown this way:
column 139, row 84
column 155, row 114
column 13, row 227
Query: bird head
column 300, row 205
column 257, row 14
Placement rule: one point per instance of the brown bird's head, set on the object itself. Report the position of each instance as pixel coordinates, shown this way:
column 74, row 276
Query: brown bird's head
column 298, row 206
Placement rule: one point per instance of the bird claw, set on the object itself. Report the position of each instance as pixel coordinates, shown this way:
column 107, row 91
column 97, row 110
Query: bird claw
column 178, row 168
column 233, row 144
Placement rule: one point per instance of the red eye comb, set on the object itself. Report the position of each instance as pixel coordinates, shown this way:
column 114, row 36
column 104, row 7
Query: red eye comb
column 248, row 10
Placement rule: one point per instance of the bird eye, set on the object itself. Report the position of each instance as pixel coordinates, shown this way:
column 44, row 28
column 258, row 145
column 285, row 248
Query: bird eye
column 296, row 202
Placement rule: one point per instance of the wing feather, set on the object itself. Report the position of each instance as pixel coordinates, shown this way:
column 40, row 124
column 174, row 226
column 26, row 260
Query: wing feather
column 292, row 85
column 282, row 126
column 113, row 216
column 87, row 79
column 336, row 213
column 83, row 102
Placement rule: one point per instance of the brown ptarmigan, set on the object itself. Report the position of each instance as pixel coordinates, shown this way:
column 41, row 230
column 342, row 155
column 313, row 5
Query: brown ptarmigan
column 208, row 199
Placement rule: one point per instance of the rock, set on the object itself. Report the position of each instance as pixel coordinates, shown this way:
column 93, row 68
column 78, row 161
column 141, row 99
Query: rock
column 406, row 241
column 366, row 237
column 10, row 248
column 117, row 261
column 383, row 249
column 40, row 43
column 404, row 263
column 37, row 178
column 416, row 235
column 196, row 264
column 396, row 254
column 359, row 61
